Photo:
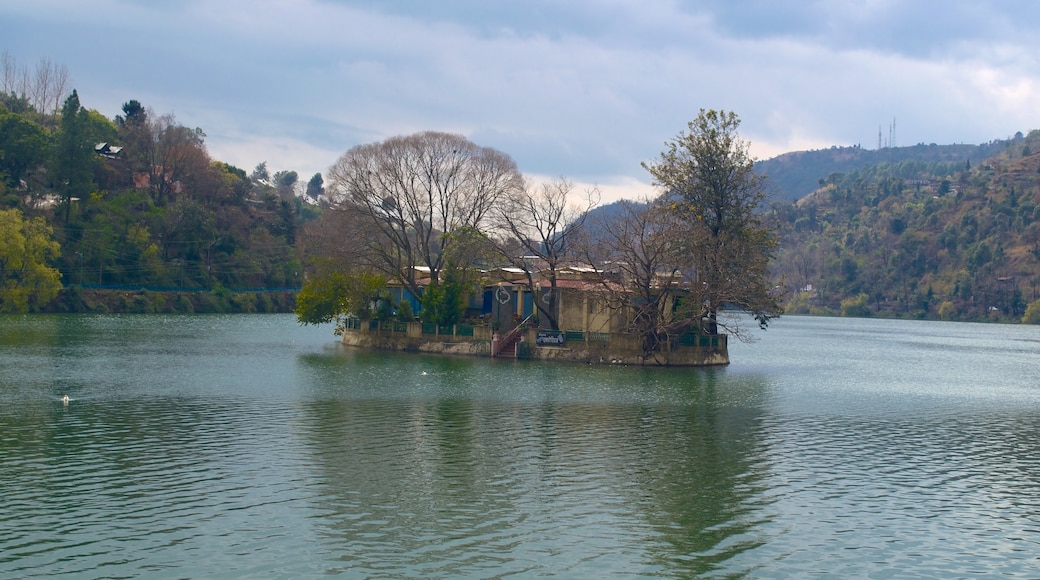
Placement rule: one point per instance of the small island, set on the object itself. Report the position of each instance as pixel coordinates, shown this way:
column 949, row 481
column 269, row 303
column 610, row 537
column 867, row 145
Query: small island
column 507, row 324
column 435, row 244
column 131, row 214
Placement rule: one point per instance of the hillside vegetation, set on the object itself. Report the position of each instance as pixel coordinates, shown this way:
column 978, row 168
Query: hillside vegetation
column 135, row 206
column 950, row 239
column 135, row 203
column 798, row 173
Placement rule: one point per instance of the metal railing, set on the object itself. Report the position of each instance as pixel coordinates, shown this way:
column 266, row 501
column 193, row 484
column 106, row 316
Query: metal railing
column 511, row 337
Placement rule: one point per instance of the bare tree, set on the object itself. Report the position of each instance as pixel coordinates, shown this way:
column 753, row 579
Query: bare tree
column 543, row 222
column 172, row 157
column 50, row 82
column 44, row 88
column 416, row 189
column 643, row 271
column 14, row 78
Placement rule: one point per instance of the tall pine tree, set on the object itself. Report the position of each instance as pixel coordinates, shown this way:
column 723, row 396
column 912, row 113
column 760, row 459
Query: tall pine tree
column 74, row 158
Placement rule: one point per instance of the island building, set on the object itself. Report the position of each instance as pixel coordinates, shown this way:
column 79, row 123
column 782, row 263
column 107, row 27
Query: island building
column 503, row 322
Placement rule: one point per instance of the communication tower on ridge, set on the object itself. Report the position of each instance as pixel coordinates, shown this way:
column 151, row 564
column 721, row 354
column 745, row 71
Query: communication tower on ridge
column 891, row 135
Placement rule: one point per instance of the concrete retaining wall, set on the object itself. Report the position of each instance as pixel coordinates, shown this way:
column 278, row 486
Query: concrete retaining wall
column 476, row 341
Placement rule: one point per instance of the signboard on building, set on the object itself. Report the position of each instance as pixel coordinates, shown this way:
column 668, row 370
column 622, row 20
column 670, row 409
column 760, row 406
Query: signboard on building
column 549, row 338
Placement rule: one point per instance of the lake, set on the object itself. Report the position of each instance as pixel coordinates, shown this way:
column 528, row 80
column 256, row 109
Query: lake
column 249, row 446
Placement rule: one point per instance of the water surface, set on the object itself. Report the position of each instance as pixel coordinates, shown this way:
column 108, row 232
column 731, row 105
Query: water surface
column 244, row 446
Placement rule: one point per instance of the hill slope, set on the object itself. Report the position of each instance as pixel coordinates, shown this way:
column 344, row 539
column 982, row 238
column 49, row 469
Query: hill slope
column 796, row 174
column 918, row 238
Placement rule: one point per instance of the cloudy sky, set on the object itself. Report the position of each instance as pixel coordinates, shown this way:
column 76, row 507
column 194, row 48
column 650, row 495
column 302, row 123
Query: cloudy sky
column 585, row 89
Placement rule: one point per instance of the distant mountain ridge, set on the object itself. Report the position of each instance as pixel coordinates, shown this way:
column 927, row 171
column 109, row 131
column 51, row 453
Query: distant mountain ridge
column 930, row 231
column 918, row 237
column 794, row 175
column 797, row 174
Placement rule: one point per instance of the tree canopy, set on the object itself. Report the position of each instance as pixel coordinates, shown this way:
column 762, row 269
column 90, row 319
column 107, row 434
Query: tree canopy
column 709, row 182
column 412, row 192
column 954, row 240
column 137, row 201
column 27, row 281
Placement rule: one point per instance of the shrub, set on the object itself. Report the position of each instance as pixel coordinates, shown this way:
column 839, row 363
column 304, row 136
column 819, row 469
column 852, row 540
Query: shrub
column 1032, row 315
column 856, row 307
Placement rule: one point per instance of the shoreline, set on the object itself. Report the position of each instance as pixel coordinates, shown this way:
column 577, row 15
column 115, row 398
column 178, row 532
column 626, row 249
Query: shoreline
column 569, row 346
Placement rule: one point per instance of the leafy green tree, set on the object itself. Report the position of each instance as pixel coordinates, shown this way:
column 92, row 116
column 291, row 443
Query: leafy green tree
column 444, row 301
column 316, row 186
column 27, row 282
column 285, row 182
column 109, row 242
column 23, row 146
column 710, row 180
column 134, row 114
column 1032, row 315
column 858, row 306
column 230, row 186
column 331, row 294
column 74, row 156
column 260, row 173
column 16, row 103
column 323, row 298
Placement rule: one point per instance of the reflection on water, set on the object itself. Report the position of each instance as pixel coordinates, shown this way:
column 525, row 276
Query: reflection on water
column 478, row 468
column 464, row 487
column 203, row 446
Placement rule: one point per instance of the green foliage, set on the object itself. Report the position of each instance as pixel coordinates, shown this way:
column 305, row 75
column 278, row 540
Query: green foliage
column 316, row 186
column 330, row 294
column 159, row 213
column 133, row 114
column 23, row 147
column 949, row 240
column 404, row 311
column 74, row 158
column 444, row 303
column 77, row 299
column 799, row 173
column 322, row 299
column 858, row 306
column 799, row 303
column 1032, row 314
column 27, row 282
column 709, row 178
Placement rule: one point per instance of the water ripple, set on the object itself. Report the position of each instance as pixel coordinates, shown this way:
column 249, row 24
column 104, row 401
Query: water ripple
column 235, row 451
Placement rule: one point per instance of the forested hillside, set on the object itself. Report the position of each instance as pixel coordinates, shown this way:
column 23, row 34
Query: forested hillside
column 137, row 202
column 797, row 174
column 940, row 239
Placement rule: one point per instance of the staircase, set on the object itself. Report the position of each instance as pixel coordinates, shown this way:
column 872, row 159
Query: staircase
column 508, row 342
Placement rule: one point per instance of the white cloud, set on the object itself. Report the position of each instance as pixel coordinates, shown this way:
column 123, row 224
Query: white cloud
column 583, row 89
